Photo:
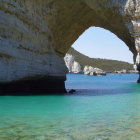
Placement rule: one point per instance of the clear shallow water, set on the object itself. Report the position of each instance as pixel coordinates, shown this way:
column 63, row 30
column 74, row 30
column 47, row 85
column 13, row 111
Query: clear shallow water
column 103, row 108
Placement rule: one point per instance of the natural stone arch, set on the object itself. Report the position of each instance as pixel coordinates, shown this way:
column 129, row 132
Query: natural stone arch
column 35, row 35
column 77, row 19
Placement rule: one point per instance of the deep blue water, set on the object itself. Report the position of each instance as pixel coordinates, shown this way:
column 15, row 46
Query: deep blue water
column 103, row 108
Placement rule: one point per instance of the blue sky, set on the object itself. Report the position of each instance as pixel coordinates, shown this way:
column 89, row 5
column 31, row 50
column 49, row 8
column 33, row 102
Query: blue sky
column 100, row 43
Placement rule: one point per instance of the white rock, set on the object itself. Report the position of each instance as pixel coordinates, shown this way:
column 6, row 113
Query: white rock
column 135, row 67
column 86, row 70
column 76, row 68
column 89, row 70
column 69, row 61
column 36, row 36
column 138, row 59
column 73, row 66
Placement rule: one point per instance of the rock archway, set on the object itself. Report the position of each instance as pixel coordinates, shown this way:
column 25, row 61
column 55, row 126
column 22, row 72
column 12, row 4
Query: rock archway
column 35, row 35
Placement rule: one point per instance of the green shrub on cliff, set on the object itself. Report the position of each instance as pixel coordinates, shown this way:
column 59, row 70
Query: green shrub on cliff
column 104, row 64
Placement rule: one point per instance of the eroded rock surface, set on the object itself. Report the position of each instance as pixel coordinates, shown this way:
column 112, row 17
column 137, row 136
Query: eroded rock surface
column 89, row 70
column 76, row 68
column 35, row 35
column 72, row 65
column 69, row 60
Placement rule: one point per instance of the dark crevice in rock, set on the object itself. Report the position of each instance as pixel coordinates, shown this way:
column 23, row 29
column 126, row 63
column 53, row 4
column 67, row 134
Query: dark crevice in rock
column 34, row 86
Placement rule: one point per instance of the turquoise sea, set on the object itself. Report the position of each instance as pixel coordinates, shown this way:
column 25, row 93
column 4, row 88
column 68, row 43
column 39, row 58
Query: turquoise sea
column 103, row 108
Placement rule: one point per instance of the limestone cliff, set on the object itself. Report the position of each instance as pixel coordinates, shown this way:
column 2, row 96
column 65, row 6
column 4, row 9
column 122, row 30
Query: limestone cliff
column 72, row 65
column 36, row 34
column 104, row 64
column 69, row 60
column 76, row 68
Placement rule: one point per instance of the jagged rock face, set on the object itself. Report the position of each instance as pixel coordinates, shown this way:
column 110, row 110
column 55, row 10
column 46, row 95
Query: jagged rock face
column 86, row 70
column 72, row 65
column 76, row 68
column 36, row 34
column 26, row 49
column 69, row 60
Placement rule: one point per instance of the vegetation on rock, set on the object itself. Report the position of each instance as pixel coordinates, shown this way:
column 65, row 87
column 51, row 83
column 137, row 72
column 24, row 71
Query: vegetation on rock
column 104, row 64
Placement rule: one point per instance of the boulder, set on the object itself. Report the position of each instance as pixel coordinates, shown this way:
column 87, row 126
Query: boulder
column 89, row 70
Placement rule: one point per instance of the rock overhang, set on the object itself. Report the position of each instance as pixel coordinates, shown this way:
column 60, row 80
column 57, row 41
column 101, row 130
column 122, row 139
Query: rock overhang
column 35, row 35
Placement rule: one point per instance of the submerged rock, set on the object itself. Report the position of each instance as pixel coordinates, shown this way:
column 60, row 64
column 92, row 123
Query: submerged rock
column 72, row 91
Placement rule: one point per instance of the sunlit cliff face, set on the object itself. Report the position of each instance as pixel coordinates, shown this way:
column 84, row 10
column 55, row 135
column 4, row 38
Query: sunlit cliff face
column 35, row 35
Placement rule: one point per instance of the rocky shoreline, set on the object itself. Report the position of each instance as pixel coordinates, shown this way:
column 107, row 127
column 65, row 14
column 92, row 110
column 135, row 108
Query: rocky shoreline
column 75, row 67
